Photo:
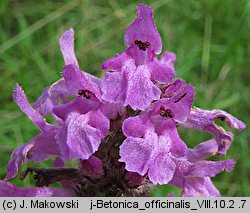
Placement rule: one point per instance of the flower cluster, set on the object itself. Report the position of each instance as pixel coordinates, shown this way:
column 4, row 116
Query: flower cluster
column 122, row 129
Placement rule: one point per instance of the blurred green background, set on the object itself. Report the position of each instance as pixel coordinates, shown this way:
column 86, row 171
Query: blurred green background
column 210, row 38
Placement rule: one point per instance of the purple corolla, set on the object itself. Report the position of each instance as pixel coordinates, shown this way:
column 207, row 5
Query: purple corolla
column 121, row 132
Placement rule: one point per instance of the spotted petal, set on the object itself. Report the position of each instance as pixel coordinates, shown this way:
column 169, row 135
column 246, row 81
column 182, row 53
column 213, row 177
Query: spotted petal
column 179, row 105
column 161, row 171
column 143, row 29
column 177, row 147
column 136, row 153
column 78, row 139
column 76, row 80
column 132, row 86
